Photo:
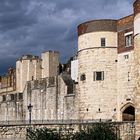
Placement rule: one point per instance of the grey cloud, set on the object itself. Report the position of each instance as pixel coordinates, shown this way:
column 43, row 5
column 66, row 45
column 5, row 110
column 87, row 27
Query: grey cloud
column 33, row 26
column 13, row 14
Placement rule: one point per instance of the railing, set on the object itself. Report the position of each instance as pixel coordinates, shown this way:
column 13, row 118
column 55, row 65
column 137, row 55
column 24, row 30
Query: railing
column 59, row 122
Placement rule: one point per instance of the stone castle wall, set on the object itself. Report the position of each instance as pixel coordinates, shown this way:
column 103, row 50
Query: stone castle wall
column 97, row 98
column 8, row 81
column 11, row 107
column 125, row 82
column 125, row 131
column 108, row 77
column 27, row 68
column 50, row 64
column 30, row 67
column 137, row 63
column 50, row 100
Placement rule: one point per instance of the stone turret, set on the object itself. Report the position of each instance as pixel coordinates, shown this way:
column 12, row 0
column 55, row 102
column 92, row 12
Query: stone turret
column 137, row 64
column 28, row 68
column 97, row 52
column 50, row 63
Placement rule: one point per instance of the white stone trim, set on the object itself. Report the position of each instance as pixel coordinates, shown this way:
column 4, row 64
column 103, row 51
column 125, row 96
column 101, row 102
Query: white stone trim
column 137, row 25
column 128, row 33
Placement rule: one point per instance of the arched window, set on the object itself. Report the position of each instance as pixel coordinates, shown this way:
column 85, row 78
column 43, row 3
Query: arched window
column 128, row 114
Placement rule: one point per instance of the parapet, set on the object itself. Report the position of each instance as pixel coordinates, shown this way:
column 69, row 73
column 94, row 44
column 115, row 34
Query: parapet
column 97, row 25
column 125, row 23
column 42, row 83
column 50, row 51
column 28, row 57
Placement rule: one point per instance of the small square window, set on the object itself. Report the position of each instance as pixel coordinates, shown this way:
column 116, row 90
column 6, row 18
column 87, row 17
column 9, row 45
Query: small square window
column 20, row 96
column 126, row 56
column 98, row 75
column 103, row 42
column 51, row 81
column 83, row 77
column 12, row 97
column 128, row 40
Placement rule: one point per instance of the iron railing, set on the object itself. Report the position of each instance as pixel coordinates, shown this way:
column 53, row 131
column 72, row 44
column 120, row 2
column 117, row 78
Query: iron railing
column 61, row 122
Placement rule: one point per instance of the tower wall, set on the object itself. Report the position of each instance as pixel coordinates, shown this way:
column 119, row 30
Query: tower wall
column 125, row 82
column 137, row 64
column 97, row 98
column 27, row 68
column 125, row 67
column 50, row 64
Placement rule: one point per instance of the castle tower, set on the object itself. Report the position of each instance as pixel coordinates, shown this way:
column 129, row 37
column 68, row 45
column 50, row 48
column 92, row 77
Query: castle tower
column 97, row 55
column 50, row 64
column 137, row 64
column 28, row 68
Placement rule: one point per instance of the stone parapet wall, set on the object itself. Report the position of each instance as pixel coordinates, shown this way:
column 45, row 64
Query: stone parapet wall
column 125, row 131
column 97, row 26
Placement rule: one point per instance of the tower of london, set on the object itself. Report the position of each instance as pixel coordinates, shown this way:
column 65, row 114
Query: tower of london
column 103, row 82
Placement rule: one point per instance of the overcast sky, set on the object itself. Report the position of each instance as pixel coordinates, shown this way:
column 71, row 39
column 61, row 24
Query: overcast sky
column 34, row 26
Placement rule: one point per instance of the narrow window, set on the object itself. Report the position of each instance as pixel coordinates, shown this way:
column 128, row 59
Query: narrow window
column 83, row 77
column 3, row 98
column 98, row 75
column 51, row 81
column 20, row 96
column 126, row 56
column 128, row 40
column 103, row 43
column 12, row 97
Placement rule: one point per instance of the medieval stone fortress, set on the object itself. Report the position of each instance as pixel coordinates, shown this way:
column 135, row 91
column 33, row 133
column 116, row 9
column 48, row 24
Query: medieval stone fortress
column 103, row 82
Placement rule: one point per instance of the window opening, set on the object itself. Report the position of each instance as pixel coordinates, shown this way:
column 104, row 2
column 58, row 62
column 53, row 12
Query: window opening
column 103, row 42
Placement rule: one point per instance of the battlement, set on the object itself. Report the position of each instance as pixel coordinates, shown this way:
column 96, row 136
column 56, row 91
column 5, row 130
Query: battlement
column 42, row 83
column 50, row 51
column 28, row 57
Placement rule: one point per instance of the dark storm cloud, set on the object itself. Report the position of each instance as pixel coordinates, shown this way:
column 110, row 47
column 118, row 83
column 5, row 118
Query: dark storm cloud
column 33, row 26
column 14, row 14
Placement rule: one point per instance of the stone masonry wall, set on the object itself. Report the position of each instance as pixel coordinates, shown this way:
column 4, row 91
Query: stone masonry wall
column 126, row 82
column 97, row 99
column 27, row 68
column 14, row 132
column 137, row 64
column 11, row 107
column 49, row 99
column 50, row 63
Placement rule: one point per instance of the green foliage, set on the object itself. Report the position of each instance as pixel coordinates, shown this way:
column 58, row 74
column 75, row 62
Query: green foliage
column 100, row 131
column 66, row 133
column 42, row 134
column 97, row 132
